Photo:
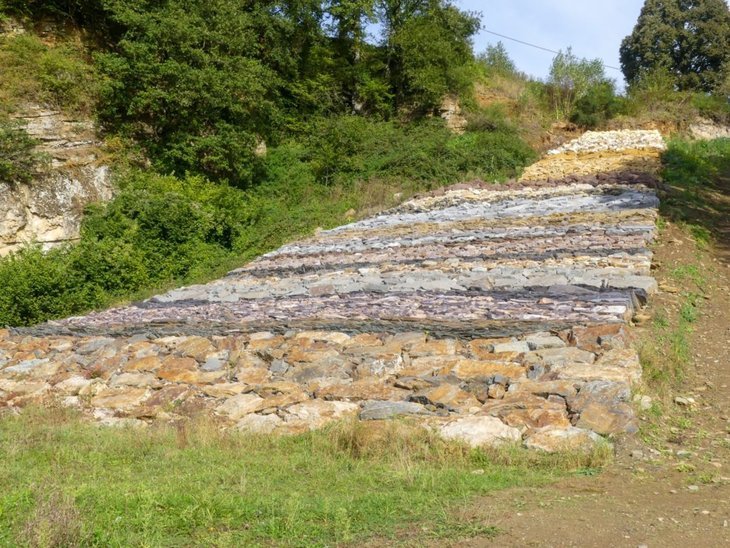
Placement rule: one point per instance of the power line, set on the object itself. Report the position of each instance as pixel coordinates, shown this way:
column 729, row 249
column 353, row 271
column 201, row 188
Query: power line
column 535, row 45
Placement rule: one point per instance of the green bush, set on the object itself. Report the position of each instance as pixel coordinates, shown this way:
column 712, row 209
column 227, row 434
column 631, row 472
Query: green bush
column 58, row 76
column 158, row 231
column 597, row 106
column 347, row 148
column 715, row 107
column 19, row 161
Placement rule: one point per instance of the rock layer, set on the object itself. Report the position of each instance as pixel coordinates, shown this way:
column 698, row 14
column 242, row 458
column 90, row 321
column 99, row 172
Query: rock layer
column 48, row 210
column 495, row 314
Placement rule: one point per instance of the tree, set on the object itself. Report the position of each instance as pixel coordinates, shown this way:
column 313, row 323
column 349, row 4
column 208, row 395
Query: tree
column 690, row 39
column 199, row 83
column 571, row 79
column 428, row 49
column 349, row 19
column 498, row 60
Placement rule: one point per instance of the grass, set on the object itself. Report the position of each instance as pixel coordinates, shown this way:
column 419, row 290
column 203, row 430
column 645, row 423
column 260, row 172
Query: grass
column 67, row 482
column 54, row 74
column 696, row 174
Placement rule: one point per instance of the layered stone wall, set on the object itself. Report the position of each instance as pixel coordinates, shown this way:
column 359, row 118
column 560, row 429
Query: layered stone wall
column 491, row 313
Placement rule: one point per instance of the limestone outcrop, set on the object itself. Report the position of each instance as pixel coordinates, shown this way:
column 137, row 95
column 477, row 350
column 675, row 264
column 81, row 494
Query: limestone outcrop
column 49, row 209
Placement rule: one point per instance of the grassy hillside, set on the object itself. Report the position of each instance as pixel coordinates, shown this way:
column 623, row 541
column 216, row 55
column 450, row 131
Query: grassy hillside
column 351, row 482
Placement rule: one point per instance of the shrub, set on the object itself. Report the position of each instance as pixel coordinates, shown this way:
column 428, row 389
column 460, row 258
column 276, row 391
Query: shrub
column 58, row 76
column 715, row 107
column 597, row 106
column 19, row 160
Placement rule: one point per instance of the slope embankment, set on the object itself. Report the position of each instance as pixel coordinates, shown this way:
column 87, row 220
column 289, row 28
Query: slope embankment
column 493, row 313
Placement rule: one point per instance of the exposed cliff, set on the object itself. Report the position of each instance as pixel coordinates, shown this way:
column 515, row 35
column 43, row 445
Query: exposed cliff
column 48, row 210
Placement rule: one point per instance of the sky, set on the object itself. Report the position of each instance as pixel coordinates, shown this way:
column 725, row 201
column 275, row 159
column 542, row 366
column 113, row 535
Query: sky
column 594, row 29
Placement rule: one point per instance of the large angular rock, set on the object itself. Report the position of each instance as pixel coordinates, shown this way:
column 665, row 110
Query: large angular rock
column 236, row 407
column 554, row 439
column 314, row 414
column 121, row 399
column 565, row 389
column 365, row 389
column 470, row 369
column 480, row 431
column 198, row 348
column 138, row 380
column 448, row 396
column 259, row 424
column 558, row 357
column 619, row 365
column 381, row 410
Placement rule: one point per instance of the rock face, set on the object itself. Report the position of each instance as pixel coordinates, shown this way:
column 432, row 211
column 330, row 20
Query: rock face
column 708, row 129
column 48, row 210
column 493, row 313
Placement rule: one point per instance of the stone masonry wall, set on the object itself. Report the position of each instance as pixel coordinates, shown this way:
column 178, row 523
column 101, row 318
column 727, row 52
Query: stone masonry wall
column 491, row 313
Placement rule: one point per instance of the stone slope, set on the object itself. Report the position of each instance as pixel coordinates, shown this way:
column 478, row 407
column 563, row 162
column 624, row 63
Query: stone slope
column 492, row 313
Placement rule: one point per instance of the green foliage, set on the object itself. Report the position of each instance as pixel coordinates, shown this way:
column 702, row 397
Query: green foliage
column 197, row 85
column 571, row 79
column 87, row 12
column 195, row 486
column 713, row 106
column 347, row 148
column 432, row 49
column 690, row 39
column 497, row 60
column 597, row 106
column 58, row 76
column 200, row 85
column 19, row 161
column 158, row 230
column 693, row 166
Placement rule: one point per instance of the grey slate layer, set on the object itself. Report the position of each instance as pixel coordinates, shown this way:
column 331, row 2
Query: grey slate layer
column 470, row 262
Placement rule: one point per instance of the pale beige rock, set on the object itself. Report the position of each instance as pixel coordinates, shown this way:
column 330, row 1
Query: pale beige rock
column 619, row 365
column 197, row 348
column 23, row 388
column 147, row 363
column 469, row 369
column 259, row 424
column 236, row 407
column 553, row 439
column 314, row 414
column 365, row 389
column 119, row 398
column 480, row 431
column 139, row 380
column 546, row 388
column 326, row 336
column 225, row 389
column 73, row 385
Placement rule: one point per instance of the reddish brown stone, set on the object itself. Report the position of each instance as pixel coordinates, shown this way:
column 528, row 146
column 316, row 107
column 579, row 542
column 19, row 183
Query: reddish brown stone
column 149, row 363
column 179, row 370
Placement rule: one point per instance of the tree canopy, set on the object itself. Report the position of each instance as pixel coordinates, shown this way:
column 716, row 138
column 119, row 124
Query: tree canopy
column 200, row 83
column 689, row 39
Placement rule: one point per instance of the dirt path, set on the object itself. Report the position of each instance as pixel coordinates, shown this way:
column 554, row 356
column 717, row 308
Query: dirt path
column 675, row 489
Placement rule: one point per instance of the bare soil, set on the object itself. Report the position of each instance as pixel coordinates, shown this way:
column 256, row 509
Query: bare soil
column 667, row 499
